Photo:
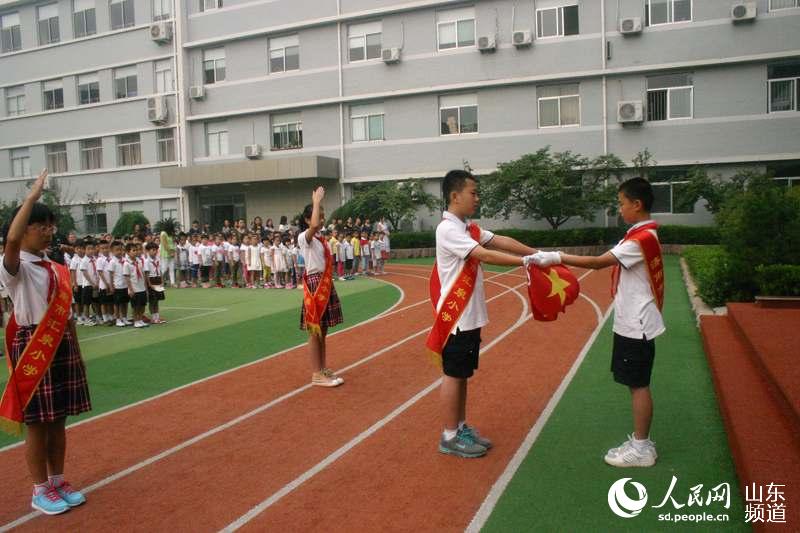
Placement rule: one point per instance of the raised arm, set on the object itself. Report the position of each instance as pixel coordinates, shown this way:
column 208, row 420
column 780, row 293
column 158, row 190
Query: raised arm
column 16, row 231
column 316, row 201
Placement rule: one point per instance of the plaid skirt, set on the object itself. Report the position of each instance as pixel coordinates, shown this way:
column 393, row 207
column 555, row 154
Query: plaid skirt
column 63, row 391
column 333, row 313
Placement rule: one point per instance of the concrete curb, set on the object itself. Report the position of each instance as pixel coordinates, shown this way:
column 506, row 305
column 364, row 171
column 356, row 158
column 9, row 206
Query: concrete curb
column 699, row 307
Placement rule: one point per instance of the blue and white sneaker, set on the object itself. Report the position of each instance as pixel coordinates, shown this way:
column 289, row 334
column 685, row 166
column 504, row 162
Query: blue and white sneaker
column 49, row 502
column 462, row 445
column 472, row 432
column 73, row 497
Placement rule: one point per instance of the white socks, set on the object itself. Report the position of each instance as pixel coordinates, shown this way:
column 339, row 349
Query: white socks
column 56, row 481
column 449, row 434
column 40, row 488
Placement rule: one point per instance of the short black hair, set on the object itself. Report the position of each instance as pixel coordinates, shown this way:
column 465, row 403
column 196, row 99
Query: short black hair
column 114, row 244
column 454, row 181
column 131, row 246
column 40, row 214
column 638, row 189
column 80, row 243
column 151, row 246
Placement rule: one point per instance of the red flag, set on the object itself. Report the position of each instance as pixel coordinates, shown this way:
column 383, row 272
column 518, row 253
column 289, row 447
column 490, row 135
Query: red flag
column 551, row 289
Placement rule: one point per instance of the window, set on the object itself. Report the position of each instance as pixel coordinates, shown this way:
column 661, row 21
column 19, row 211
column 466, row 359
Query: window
column 20, row 162
column 366, row 122
column 287, row 131
column 169, row 209
column 83, row 18
column 784, row 87
column 364, row 41
column 129, row 150
column 785, row 174
column 15, row 101
column 667, row 11
column 213, row 65
column 56, row 158
column 121, row 14
column 455, row 28
column 284, row 53
column 783, row 4
column 95, row 218
column 53, row 92
column 668, row 187
column 91, row 154
column 164, row 79
column 88, row 89
column 48, row 24
column 165, row 139
column 125, row 82
column 11, row 36
column 557, row 21
column 206, row 5
column 216, row 139
column 458, row 114
column 669, row 97
column 162, row 10
column 559, row 105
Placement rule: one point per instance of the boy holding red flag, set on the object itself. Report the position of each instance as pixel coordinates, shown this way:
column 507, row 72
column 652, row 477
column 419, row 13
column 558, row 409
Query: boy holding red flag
column 638, row 289
column 457, row 295
column 47, row 380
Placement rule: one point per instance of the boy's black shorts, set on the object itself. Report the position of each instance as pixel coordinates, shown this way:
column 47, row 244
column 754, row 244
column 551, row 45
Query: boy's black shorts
column 139, row 299
column 106, row 298
column 348, row 265
column 204, row 272
column 632, row 361
column 121, row 296
column 461, row 353
column 87, row 295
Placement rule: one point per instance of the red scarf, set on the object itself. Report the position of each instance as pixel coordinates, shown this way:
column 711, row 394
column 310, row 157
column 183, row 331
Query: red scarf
column 315, row 304
column 651, row 249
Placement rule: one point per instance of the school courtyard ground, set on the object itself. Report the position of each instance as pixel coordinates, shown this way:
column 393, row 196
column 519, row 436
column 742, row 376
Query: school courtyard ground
column 209, row 423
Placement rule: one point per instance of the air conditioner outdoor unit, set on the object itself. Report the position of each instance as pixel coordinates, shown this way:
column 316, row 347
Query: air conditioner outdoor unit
column 630, row 112
column 198, row 92
column 157, row 110
column 630, row 26
column 252, row 151
column 487, row 43
column 161, row 32
column 521, row 38
column 743, row 11
column 390, row 55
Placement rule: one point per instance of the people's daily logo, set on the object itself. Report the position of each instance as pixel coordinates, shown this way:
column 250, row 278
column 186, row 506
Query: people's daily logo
column 621, row 504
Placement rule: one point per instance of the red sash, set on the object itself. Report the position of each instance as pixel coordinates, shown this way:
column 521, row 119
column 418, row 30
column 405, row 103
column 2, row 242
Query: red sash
column 315, row 304
column 455, row 301
column 651, row 249
column 23, row 380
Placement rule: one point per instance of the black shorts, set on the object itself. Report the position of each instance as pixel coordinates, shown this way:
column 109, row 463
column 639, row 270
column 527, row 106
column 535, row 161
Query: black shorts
column 204, row 272
column 461, row 353
column 106, row 298
column 348, row 264
column 87, row 295
column 154, row 295
column 121, row 296
column 139, row 299
column 632, row 361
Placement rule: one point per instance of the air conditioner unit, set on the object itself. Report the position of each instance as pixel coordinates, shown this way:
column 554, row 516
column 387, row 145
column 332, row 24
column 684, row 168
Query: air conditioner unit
column 161, row 32
column 390, row 55
column 198, row 92
column 157, row 110
column 743, row 11
column 252, row 151
column 630, row 26
column 630, row 112
column 521, row 38
column 487, row 43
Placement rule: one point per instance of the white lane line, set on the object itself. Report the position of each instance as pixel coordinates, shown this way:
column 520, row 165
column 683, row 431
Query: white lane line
column 166, row 453
column 489, row 503
column 327, row 461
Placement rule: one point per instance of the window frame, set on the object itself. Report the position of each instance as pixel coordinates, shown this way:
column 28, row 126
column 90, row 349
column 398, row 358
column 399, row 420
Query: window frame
column 218, row 136
column 165, row 15
column 53, row 90
column 282, row 50
column 130, row 149
column 59, row 158
column 460, row 121
column 671, row 185
column 12, row 33
column 670, row 10
column 49, row 22
column 216, row 68
column 458, row 46
column 24, row 161
column 297, row 123
column 770, row 8
column 365, row 47
column 559, row 97
column 16, row 98
column 366, row 118
column 83, row 13
column 93, row 227
column 217, row 5
column 669, row 105
column 127, row 9
column 795, row 94
column 89, row 84
column 127, row 80
column 157, row 72
column 560, row 27
column 91, row 154
column 165, row 145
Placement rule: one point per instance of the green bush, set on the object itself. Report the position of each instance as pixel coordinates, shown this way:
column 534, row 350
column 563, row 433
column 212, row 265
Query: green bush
column 710, row 268
column 127, row 221
column 571, row 237
column 778, row 280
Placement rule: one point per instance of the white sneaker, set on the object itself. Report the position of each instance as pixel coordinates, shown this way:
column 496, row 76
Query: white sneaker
column 630, row 455
column 127, row 322
column 121, row 324
column 139, row 324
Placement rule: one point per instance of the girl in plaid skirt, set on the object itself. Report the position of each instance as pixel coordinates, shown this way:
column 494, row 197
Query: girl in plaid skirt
column 63, row 391
column 313, row 249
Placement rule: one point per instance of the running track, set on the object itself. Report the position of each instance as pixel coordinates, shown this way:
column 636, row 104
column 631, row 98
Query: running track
column 258, row 449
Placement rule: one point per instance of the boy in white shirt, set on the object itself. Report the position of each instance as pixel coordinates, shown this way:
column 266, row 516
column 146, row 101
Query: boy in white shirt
column 194, row 258
column 89, row 284
column 137, row 286
column 154, row 281
column 121, row 297
column 206, row 261
column 77, row 279
column 106, row 291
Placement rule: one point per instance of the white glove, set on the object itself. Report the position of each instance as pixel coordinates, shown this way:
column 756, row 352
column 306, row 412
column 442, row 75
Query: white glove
column 528, row 259
column 546, row 259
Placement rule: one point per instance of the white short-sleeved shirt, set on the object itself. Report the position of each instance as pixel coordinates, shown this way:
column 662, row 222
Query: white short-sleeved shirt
column 118, row 273
column 28, row 289
column 102, row 268
column 313, row 253
column 88, row 270
column 75, row 264
column 453, row 246
column 133, row 268
column 636, row 313
column 152, row 267
column 194, row 254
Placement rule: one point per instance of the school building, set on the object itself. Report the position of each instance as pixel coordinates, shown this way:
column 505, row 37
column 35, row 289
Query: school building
column 213, row 109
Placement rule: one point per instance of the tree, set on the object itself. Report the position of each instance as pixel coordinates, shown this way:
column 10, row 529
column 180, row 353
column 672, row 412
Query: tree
column 170, row 225
column 715, row 190
column 398, row 202
column 643, row 161
column 127, row 221
column 553, row 187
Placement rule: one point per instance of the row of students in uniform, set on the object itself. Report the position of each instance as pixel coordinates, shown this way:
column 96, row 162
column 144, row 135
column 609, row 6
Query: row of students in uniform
column 357, row 253
column 107, row 277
